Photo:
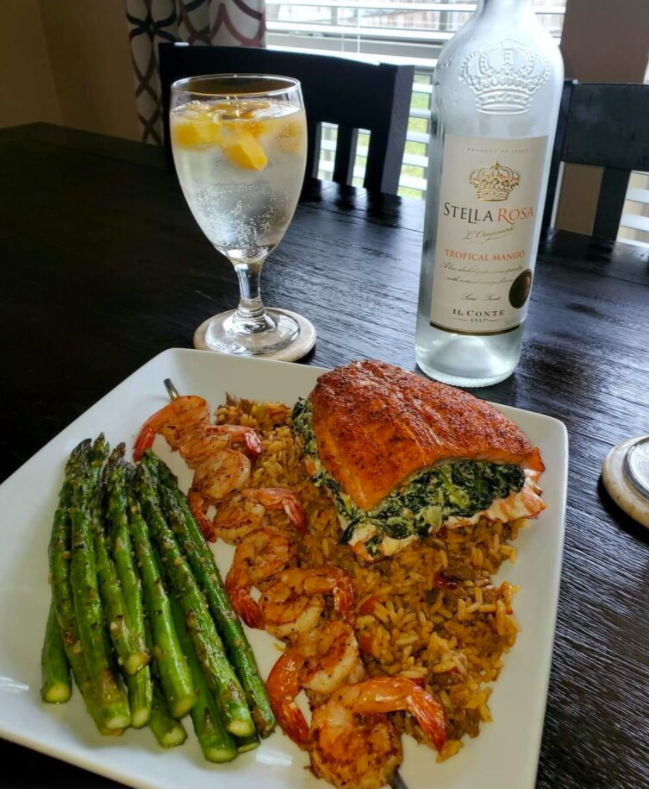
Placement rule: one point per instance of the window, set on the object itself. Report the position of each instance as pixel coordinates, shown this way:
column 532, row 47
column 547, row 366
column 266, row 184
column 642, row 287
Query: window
column 391, row 31
column 634, row 227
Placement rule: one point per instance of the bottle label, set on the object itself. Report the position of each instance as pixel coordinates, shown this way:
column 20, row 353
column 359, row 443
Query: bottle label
column 489, row 211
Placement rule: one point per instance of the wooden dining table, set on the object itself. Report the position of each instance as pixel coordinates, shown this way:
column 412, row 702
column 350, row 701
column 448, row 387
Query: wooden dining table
column 103, row 267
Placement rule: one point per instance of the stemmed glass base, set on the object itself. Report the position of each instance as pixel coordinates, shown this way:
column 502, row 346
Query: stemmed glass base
column 252, row 329
column 230, row 332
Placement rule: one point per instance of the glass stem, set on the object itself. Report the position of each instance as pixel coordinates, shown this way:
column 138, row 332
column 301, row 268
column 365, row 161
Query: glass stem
column 251, row 314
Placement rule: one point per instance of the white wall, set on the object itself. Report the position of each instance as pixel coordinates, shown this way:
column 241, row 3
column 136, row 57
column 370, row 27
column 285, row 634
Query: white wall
column 69, row 62
column 27, row 91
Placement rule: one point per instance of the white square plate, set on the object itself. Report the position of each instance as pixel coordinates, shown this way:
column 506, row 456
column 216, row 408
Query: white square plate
column 505, row 754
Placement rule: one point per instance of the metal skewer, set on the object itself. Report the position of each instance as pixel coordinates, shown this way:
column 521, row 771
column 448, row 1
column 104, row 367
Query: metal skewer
column 397, row 781
column 171, row 389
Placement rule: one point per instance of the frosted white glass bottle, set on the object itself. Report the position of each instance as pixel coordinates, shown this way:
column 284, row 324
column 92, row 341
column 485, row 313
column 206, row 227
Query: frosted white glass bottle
column 495, row 103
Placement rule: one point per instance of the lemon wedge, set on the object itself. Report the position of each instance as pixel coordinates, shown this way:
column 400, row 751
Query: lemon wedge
column 244, row 150
column 203, row 130
column 291, row 137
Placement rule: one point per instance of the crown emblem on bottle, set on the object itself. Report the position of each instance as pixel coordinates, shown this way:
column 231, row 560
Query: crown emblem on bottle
column 504, row 76
column 494, row 184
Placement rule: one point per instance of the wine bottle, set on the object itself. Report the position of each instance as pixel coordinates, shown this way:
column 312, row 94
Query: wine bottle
column 495, row 103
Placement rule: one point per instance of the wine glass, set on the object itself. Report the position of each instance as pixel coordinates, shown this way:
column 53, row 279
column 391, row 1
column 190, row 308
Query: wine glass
column 239, row 144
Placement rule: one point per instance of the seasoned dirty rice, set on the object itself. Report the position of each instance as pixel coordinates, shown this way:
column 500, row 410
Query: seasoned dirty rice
column 430, row 613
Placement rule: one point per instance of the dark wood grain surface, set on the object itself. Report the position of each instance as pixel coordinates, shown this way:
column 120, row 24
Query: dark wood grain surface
column 103, row 267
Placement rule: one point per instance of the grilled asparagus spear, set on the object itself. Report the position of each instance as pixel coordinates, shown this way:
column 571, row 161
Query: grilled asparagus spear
column 140, row 687
column 175, row 677
column 132, row 658
column 216, row 742
column 56, row 687
column 201, row 560
column 59, row 555
column 91, row 624
column 219, row 673
column 167, row 730
column 129, row 656
column 245, row 744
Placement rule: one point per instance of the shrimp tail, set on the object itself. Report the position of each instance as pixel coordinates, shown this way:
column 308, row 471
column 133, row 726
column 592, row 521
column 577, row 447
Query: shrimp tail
column 144, row 440
column 198, row 507
column 243, row 603
column 365, row 644
column 176, row 415
column 292, row 722
column 280, row 499
column 283, row 685
column 150, row 429
column 295, row 512
column 253, row 444
column 343, row 595
column 429, row 714
column 368, row 607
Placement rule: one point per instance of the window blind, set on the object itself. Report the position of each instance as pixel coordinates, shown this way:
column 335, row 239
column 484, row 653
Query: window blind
column 389, row 31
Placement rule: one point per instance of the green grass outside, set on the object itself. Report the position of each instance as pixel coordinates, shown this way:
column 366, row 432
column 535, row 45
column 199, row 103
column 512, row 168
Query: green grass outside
column 419, row 101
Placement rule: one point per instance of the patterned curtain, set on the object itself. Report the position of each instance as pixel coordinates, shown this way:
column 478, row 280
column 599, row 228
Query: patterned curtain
column 221, row 22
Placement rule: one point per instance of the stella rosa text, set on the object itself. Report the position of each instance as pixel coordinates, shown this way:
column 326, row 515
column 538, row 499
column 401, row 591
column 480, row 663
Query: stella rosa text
column 476, row 215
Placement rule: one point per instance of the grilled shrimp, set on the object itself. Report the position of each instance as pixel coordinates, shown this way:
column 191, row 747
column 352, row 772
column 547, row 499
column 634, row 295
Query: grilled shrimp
column 525, row 503
column 322, row 660
column 237, row 517
column 200, row 441
column 170, row 421
column 185, row 424
column 294, row 603
column 221, row 474
column 259, row 557
column 352, row 741
column 215, row 479
column 244, row 512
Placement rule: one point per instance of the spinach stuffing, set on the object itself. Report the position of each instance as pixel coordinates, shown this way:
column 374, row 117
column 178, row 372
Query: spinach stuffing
column 422, row 502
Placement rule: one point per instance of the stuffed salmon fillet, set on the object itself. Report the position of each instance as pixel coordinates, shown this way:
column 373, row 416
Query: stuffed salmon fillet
column 402, row 455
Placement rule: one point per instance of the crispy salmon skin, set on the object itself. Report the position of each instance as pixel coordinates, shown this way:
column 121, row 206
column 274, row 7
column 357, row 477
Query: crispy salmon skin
column 375, row 424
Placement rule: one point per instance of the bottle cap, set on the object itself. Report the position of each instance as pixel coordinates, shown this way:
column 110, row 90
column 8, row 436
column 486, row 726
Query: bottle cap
column 625, row 475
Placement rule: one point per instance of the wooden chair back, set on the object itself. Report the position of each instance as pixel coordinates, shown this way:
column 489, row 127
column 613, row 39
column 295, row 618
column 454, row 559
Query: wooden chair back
column 345, row 92
column 607, row 126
